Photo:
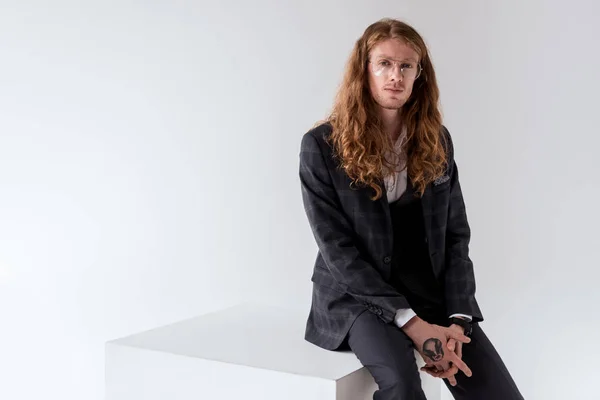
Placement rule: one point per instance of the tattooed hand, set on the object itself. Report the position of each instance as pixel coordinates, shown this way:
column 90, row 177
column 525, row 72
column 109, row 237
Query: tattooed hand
column 431, row 342
column 449, row 371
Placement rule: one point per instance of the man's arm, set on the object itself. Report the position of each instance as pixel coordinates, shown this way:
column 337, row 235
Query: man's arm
column 403, row 316
column 333, row 233
column 459, row 276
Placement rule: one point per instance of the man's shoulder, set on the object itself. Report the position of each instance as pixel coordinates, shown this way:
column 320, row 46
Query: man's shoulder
column 447, row 141
column 318, row 137
column 320, row 131
column 445, row 133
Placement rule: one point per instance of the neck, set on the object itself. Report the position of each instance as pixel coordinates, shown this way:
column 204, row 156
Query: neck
column 392, row 122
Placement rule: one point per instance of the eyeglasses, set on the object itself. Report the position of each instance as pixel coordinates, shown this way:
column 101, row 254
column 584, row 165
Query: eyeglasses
column 408, row 69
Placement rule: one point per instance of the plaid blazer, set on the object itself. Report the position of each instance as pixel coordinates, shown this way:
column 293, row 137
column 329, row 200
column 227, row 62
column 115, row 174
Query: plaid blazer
column 354, row 235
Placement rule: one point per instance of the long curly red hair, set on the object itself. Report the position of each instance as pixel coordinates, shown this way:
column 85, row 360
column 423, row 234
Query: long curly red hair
column 358, row 138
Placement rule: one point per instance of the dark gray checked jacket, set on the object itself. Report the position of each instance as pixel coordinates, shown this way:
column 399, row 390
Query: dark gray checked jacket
column 354, row 237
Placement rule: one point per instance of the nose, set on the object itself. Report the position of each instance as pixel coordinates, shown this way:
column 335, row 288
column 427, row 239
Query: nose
column 396, row 73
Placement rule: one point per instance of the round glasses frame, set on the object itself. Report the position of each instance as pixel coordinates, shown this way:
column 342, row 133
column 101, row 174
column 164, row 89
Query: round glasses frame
column 420, row 69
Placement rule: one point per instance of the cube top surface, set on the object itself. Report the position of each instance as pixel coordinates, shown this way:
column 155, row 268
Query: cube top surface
column 250, row 334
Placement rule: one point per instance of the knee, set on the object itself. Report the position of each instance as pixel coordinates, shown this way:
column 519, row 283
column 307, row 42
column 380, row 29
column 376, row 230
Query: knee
column 400, row 381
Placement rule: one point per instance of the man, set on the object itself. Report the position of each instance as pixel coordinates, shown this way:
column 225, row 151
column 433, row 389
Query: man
column 381, row 192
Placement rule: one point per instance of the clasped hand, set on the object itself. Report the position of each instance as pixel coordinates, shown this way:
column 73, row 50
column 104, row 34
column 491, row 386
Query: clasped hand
column 448, row 369
column 440, row 347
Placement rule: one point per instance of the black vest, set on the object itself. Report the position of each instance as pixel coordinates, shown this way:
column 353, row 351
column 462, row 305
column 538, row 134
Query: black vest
column 412, row 273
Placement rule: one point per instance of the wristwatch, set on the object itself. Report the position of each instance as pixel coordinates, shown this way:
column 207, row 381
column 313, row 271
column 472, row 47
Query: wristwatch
column 463, row 323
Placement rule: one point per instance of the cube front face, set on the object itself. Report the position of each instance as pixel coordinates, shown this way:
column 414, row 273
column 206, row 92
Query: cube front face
column 359, row 385
column 141, row 374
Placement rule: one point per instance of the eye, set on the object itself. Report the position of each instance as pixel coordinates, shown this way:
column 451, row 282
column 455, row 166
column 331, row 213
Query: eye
column 383, row 63
column 407, row 66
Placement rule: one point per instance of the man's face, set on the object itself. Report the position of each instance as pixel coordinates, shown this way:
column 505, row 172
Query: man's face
column 388, row 86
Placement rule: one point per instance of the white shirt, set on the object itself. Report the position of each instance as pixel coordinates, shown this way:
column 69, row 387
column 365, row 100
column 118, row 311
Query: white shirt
column 395, row 185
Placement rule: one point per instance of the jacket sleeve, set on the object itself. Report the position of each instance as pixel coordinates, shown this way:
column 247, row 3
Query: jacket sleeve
column 334, row 236
column 459, row 275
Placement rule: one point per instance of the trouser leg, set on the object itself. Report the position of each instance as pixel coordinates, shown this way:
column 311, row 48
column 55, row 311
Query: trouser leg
column 490, row 380
column 388, row 353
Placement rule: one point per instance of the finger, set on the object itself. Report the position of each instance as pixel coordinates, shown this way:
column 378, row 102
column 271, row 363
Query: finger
column 437, row 369
column 443, row 365
column 459, row 350
column 432, row 372
column 460, row 364
column 430, row 366
column 452, row 380
column 450, row 372
column 451, row 344
column 458, row 336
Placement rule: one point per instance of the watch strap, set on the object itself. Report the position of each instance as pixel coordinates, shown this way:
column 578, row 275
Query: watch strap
column 463, row 323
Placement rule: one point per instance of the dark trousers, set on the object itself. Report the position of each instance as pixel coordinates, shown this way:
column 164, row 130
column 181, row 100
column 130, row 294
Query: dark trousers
column 388, row 353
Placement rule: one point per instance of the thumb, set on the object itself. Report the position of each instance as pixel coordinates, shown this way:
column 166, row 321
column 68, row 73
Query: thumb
column 451, row 344
column 458, row 336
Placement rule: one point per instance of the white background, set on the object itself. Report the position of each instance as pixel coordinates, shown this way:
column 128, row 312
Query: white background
column 149, row 171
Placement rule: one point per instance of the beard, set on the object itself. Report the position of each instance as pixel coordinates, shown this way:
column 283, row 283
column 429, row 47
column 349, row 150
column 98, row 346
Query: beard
column 388, row 102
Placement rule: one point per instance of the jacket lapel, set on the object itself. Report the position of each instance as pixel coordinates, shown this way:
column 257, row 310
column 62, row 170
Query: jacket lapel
column 428, row 206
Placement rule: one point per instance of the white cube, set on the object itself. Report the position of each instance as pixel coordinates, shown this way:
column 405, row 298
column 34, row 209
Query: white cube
column 250, row 351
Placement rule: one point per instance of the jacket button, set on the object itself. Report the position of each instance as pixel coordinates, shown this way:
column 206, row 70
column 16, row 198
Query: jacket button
column 387, row 259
